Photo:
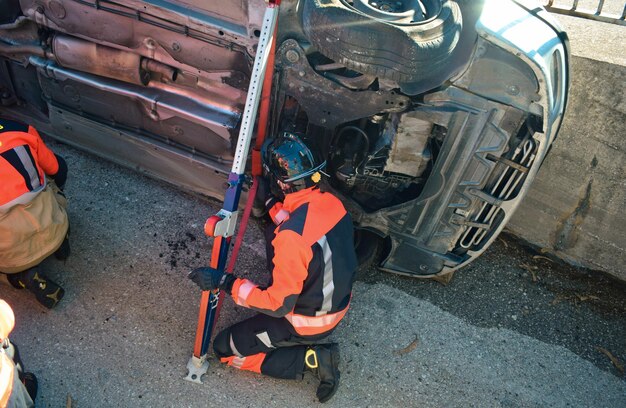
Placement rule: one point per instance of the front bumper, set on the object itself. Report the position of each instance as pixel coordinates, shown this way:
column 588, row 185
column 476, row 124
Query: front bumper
column 501, row 116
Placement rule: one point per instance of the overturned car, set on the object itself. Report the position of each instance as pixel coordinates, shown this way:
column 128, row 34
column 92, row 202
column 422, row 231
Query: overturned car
column 433, row 115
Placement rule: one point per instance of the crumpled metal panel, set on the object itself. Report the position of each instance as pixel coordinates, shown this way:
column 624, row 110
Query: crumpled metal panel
column 424, row 231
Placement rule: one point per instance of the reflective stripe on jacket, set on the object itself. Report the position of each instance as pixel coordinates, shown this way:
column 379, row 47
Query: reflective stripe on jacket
column 314, row 265
column 24, row 162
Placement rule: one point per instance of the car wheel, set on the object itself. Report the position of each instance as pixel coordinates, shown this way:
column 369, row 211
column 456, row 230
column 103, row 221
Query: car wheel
column 405, row 41
column 368, row 247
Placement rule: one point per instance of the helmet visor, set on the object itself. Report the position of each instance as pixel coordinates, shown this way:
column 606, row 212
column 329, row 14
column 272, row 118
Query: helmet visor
column 289, row 159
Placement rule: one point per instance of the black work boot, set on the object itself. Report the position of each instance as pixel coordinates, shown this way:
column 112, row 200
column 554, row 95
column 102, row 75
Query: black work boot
column 47, row 292
column 31, row 384
column 323, row 361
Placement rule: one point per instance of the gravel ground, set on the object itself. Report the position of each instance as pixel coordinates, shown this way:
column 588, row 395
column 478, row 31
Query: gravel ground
column 513, row 329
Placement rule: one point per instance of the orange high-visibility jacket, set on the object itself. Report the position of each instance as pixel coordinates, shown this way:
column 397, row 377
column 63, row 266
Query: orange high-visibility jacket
column 314, row 265
column 24, row 162
column 33, row 220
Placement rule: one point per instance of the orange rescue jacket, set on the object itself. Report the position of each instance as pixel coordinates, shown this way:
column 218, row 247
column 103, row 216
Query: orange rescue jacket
column 33, row 220
column 314, row 265
column 24, row 161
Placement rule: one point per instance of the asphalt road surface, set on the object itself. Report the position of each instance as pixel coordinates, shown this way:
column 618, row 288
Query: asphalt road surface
column 513, row 329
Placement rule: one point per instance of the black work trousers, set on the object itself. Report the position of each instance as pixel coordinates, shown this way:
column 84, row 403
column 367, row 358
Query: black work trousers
column 266, row 345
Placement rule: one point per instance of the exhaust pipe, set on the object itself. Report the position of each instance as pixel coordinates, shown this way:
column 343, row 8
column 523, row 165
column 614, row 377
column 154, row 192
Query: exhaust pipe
column 85, row 56
column 7, row 49
column 151, row 65
column 70, row 52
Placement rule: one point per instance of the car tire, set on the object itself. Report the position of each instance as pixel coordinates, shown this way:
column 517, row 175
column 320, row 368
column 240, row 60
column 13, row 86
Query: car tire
column 368, row 248
column 387, row 45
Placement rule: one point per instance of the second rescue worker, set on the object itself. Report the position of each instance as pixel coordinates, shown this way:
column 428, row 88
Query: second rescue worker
column 313, row 267
column 33, row 219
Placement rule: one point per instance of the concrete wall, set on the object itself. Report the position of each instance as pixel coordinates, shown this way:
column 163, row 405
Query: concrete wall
column 576, row 208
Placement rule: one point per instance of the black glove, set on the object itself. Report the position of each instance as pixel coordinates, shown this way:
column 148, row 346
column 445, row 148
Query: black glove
column 208, row 278
column 61, row 175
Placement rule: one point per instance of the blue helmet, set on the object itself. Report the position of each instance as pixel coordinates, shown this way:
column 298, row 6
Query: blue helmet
column 289, row 159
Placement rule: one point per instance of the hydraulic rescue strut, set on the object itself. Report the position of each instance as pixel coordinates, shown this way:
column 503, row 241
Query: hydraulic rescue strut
column 222, row 225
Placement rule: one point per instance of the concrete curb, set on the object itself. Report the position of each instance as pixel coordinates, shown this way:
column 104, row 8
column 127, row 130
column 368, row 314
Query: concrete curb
column 575, row 208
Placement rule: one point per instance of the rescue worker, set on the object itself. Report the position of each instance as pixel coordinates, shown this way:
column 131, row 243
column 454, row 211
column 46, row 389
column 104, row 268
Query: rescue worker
column 18, row 389
column 33, row 220
column 313, row 268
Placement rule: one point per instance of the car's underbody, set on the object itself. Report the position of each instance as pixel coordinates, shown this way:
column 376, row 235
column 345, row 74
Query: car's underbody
column 433, row 116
